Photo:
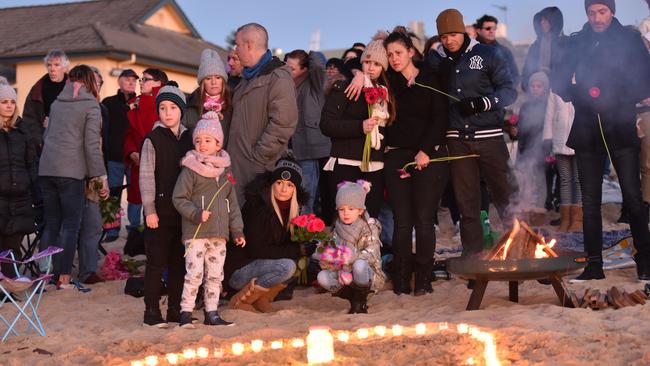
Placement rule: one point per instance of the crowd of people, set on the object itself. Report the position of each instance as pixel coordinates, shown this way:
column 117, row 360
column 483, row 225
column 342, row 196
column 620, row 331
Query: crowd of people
column 220, row 175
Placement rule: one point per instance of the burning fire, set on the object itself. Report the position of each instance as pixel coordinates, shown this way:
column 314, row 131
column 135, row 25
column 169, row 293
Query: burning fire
column 522, row 242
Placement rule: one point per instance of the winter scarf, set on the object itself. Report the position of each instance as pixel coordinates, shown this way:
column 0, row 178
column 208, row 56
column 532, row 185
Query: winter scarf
column 209, row 166
column 251, row 72
column 350, row 234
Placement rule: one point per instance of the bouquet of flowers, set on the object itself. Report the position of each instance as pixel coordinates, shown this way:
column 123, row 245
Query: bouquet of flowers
column 377, row 99
column 337, row 258
column 110, row 208
column 214, row 104
column 307, row 228
column 117, row 268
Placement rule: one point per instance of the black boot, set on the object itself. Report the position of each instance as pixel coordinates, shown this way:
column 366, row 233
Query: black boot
column 593, row 271
column 423, row 272
column 153, row 317
column 173, row 315
column 186, row 320
column 358, row 303
column 213, row 318
column 643, row 266
column 402, row 276
column 344, row 292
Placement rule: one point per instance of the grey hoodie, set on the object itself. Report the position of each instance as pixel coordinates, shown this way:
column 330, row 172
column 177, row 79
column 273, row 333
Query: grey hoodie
column 71, row 143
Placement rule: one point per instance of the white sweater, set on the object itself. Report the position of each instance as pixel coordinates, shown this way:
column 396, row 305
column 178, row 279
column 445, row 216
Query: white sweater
column 557, row 123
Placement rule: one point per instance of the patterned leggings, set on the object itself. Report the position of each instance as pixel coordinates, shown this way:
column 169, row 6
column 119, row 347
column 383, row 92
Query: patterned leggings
column 567, row 167
column 205, row 256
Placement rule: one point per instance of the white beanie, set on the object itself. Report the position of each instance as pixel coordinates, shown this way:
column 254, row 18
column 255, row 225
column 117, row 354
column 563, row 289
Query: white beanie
column 7, row 92
column 211, row 64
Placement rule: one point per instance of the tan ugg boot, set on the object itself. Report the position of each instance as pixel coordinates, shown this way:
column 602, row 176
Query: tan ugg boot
column 244, row 299
column 565, row 218
column 576, row 218
column 263, row 304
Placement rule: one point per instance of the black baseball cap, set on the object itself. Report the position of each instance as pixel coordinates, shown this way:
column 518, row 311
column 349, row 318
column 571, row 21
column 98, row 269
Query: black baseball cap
column 128, row 73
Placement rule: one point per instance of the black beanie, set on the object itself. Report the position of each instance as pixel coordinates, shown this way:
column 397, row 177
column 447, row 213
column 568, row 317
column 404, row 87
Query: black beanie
column 288, row 169
column 611, row 4
column 171, row 92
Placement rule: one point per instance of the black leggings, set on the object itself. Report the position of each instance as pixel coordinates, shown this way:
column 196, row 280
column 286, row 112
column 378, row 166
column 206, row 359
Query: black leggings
column 164, row 250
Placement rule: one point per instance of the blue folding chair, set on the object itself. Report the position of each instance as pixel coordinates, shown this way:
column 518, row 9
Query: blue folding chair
column 31, row 290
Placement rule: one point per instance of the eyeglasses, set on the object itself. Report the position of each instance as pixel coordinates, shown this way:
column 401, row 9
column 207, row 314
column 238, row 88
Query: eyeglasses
column 489, row 28
column 145, row 79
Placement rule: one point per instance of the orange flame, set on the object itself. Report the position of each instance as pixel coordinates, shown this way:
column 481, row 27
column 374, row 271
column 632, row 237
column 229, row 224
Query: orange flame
column 511, row 237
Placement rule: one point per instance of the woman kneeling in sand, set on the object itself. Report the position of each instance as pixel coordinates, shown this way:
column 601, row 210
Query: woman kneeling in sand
column 261, row 269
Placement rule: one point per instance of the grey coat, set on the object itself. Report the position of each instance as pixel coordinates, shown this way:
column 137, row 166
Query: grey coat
column 71, row 142
column 225, row 220
column 309, row 142
column 264, row 118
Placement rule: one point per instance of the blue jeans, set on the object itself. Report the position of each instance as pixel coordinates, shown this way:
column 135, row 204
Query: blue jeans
column 310, row 177
column 269, row 272
column 361, row 275
column 116, row 173
column 89, row 234
column 63, row 199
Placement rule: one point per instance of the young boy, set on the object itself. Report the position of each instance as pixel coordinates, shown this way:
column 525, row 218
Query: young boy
column 356, row 230
column 203, row 177
column 160, row 158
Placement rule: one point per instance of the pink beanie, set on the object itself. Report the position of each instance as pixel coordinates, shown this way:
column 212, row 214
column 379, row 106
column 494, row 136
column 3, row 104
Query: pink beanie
column 209, row 125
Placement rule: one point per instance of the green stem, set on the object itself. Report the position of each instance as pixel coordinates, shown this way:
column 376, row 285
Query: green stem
column 602, row 134
column 189, row 246
column 436, row 90
column 367, row 147
column 442, row 159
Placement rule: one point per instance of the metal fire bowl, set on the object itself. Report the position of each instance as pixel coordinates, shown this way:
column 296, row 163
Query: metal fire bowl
column 516, row 269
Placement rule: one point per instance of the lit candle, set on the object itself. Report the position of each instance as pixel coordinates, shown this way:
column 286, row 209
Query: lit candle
column 320, row 345
column 256, row 345
column 462, row 328
column 202, row 352
column 470, row 361
column 237, row 349
column 362, row 333
column 218, row 352
column 420, row 329
column 189, row 353
column 172, row 358
column 136, row 363
column 343, row 336
column 443, row 326
column 397, row 330
column 297, row 343
column 380, row 330
column 151, row 361
column 276, row 345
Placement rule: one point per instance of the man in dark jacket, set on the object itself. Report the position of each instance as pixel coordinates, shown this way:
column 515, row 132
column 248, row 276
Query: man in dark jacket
column 486, row 33
column 605, row 94
column 480, row 86
column 43, row 94
column 114, row 132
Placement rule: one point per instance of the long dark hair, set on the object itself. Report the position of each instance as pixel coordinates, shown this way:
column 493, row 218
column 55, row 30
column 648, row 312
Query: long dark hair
column 226, row 97
column 85, row 75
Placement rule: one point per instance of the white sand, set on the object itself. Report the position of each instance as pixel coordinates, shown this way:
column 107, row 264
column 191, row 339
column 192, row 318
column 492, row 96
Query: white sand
column 103, row 327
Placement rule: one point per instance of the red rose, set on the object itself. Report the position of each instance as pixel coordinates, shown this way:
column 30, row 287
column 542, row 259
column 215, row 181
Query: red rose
column 514, row 119
column 594, row 92
column 231, row 179
column 311, row 216
column 315, row 226
column 371, row 94
column 300, row 221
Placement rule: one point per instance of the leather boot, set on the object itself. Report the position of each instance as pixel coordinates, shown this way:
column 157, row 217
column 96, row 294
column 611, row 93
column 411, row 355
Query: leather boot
column 423, row 272
column 213, row 318
column 185, row 321
column 576, row 218
column 244, row 299
column 565, row 218
column 344, row 292
column 593, row 271
column 402, row 276
column 358, row 303
column 263, row 304
column 643, row 266
column 173, row 315
column 153, row 317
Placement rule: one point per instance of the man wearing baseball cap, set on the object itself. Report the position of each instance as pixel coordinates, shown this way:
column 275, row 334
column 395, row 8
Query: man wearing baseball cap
column 113, row 133
column 479, row 81
column 605, row 75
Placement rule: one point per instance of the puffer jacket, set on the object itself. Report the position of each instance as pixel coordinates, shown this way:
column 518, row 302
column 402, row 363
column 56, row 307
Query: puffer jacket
column 308, row 142
column 480, row 71
column 17, row 176
column 557, row 124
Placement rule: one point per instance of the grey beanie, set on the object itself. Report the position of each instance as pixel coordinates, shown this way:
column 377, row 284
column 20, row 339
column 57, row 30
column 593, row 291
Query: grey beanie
column 7, row 92
column 172, row 93
column 352, row 194
column 211, row 64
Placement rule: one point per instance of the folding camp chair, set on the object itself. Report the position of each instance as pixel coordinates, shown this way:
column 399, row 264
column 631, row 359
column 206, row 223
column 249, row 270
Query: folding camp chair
column 29, row 247
column 31, row 290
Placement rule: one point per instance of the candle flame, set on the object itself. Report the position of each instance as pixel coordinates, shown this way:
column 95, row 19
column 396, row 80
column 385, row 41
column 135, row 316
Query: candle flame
column 276, row 345
column 189, row 354
column 202, row 352
column 257, row 345
column 397, row 330
column 172, row 358
column 237, row 349
column 380, row 330
column 420, row 329
column 151, row 361
column 362, row 333
column 297, row 343
column 343, row 336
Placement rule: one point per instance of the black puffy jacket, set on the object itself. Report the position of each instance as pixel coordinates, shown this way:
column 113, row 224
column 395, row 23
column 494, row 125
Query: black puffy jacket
column 480, row 71
column 17, row 174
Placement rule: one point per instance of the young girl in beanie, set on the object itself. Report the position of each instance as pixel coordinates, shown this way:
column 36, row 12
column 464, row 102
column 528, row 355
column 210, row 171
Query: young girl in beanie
column 160, row 158
column 202, row 178
column 355, row 230
column 347, row 122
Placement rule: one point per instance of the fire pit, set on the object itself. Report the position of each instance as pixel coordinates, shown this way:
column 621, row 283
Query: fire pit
column 519, row 255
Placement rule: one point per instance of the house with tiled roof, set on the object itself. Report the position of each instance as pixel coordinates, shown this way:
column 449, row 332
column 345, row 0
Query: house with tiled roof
column 111, row 35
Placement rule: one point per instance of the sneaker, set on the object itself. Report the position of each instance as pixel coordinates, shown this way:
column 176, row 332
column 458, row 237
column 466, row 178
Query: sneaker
column 186, row 320
column 153, row 318
column 213, row 318
column 93, row 279
column 593, row 271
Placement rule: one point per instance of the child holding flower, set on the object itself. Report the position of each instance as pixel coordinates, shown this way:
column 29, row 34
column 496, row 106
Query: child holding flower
column 206, row 199
column 352, row 266
column 356, row 127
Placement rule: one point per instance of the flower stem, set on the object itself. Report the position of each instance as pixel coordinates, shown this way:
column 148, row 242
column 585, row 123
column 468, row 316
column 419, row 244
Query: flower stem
column 436, row 90
column 367, row 147
column 602, row 134
column 442, row 159
column 189, row 246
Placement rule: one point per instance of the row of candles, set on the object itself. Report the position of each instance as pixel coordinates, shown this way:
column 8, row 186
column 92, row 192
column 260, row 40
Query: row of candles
column 320, row 347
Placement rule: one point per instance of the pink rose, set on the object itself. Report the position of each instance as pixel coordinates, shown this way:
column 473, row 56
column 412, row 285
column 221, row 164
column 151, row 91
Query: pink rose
column 316, row 225
column 300, row 221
